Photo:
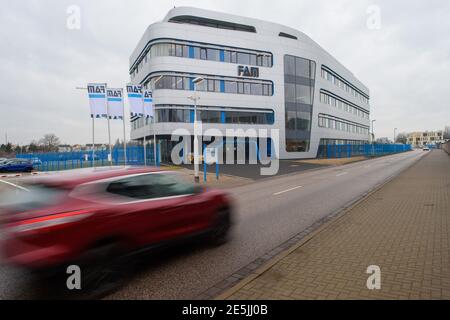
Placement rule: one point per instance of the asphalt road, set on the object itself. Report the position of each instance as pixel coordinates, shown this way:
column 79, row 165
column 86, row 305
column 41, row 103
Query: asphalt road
column 253, row 171
column 269, row 212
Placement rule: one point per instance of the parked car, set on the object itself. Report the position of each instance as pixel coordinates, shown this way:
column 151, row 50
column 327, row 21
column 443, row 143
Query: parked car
column 36, row 161
column 3, row 160
column 426, row 148
column 94, row 218
column 16, row 165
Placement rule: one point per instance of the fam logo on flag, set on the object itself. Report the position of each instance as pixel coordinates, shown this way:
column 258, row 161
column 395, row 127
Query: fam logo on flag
column 97, row 99
column 115, row 103
column 148, row 104
column 135, row 99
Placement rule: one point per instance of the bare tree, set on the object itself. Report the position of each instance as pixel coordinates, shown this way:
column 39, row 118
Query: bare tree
column 33, row 146
column 50, row 142
column 401, row 138
column 383, row 140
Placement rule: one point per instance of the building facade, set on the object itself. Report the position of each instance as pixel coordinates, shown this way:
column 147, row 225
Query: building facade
column 258, row 75
column 420, row 139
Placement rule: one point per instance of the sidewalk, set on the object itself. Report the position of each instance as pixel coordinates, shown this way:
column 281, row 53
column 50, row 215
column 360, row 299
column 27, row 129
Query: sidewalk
column 224, row 181
column 404, row 228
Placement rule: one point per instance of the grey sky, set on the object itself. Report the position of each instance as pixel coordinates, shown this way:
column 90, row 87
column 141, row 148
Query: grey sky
column 405, row 63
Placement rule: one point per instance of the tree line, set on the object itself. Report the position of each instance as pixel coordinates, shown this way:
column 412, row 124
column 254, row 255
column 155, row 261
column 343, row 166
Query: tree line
column 48, row 143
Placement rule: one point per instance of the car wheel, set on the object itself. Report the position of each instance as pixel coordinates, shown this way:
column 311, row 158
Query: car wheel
column 221, row 227
column 104, row 269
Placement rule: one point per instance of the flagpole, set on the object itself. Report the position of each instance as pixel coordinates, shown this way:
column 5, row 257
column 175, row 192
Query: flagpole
column 143, row 124
column 124, row 133
column 93, row 141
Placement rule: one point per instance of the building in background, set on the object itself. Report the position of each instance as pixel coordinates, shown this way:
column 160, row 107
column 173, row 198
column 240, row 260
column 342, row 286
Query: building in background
column 420, row 139
column 447, row 133
column 258, row 75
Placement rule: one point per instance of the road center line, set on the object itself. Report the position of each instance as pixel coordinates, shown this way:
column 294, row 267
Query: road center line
column 341, row 174
column 14, row 185
column 284, row 191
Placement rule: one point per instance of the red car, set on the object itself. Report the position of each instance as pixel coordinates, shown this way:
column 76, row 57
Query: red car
column 91, row 217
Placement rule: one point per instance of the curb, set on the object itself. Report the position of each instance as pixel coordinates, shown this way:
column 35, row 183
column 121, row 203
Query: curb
column 312, row 231
column 18, row 175
column 322, row 167
column 10, row 176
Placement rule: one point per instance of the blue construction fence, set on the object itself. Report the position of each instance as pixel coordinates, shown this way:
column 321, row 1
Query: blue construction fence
column 57, row 161
column 332, row 151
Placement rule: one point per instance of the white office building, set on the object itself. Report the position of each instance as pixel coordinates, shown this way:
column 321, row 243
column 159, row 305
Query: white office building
column 258, row 75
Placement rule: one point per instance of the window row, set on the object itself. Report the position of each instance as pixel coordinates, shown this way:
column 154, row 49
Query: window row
column 298, row 120
column 201, row 52
column 212, row 85
column 298, row 93
column 342, row 105
column 185, row 114
column 299, row 67
column 299, row 83
column 343, row 85
column 213, row 23
column 338, row 124
column 297, row 145
column 324, row 142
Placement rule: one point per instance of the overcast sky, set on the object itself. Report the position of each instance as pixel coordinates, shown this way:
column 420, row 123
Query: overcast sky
column 405, row 62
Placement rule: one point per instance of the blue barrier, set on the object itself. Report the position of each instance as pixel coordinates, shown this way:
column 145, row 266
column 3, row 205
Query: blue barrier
column 56, row 161
column 331, row 151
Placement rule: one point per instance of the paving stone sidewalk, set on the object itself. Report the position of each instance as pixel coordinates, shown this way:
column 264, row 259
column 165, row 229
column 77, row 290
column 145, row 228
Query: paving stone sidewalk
column 404, row 228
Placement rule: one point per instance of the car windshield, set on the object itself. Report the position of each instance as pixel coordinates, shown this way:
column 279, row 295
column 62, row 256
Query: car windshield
column 30, row 197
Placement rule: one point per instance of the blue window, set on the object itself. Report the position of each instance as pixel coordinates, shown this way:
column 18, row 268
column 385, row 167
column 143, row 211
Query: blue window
column 187, row 49
column 191, row 52
column 219, row 84
column 185, row 114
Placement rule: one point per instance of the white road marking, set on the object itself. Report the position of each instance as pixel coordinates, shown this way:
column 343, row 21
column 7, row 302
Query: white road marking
column 284, row 191
column 368, row 166
column 341, row 174
column 14, row 185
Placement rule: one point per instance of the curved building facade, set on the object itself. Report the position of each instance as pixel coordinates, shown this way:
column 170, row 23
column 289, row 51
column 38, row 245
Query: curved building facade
column 258, row 75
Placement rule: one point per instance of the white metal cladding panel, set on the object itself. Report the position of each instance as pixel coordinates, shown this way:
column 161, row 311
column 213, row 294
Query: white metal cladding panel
column 266, row 39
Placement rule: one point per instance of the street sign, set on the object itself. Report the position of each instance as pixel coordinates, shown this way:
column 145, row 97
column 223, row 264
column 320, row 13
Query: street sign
column 211, row 156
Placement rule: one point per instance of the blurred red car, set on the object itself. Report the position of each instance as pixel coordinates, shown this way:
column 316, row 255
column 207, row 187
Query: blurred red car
column 92, row 215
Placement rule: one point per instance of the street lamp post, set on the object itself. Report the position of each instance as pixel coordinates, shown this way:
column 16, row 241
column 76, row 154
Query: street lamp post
column 195, row 98
column 373, row 141
column 154, row 116
column 373, row 134
column 395, row 134
column 144, row 141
